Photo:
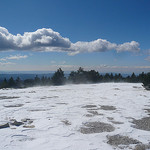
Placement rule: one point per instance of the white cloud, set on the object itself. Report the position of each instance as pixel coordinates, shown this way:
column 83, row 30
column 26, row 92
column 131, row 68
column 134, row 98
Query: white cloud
column 49, row 40
column 14, row 57
column 37, row 40
column 98, row 45
column 6, row 63
column 132, row 46
column 101, row 45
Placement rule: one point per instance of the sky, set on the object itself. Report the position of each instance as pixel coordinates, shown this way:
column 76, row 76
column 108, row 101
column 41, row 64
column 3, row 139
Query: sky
column 105, row 35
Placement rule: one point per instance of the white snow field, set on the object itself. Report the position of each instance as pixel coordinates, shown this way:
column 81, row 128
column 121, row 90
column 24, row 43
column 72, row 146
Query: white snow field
column 102, row 116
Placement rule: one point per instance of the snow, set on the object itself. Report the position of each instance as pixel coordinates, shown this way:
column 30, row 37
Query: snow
column 58, row 113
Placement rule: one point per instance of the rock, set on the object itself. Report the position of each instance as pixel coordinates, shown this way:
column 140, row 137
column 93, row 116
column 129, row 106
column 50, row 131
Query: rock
column 117, row 140
column 96, row 127
column 16, row 123
column 27, row 120
column 142, row 147
column 66, row 122
column 106, row 107
column 4, row 126
column 27, row 126
column 143, row 124
column 89, row 106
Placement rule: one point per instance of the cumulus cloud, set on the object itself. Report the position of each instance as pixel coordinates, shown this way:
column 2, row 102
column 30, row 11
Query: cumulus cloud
column 49, row 40
column 38, row 40
column 101, row 45
column 132, row 46
column 98, row 45
column 14, row 57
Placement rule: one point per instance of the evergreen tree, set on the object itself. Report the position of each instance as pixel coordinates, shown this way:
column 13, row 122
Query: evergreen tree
column 11, row 83
column 111, row 77
column 18, row 82
column 28, row 82
column 141, row 77
column 93, row 76
column 146, row 80
column 133, row 78
column 72, row 76
column 58, row 78
column 4, row 84
column 37, row 80
column 106, row 77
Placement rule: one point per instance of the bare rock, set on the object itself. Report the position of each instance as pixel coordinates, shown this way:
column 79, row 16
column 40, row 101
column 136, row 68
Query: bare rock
column 117, row 140
column 96, row 127
column 6, row 125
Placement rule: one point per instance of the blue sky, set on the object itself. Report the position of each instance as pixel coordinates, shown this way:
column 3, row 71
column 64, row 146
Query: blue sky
column 106, row 35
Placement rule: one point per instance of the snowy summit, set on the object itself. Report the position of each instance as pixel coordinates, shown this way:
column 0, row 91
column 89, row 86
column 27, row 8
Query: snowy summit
column 85, row 117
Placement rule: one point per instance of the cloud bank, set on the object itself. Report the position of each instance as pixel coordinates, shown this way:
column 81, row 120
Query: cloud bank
column 101, row 45
column 13, row 57
column 49, row 40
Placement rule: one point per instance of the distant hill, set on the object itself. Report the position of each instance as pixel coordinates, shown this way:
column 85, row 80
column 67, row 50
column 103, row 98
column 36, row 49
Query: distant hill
column 26, row 76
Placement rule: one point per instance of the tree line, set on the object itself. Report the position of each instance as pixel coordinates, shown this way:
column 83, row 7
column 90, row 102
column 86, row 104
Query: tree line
column 76, row 77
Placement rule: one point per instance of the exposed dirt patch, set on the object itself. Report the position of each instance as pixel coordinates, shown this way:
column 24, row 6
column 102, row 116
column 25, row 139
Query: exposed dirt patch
column 29, row 126
column 15, row 122
column 32, row 92
column 89, row 106
column 33, row 110
column 66, row 122
column 93, row 109
column 148, row 110
column 107, row 107
column 62, row 103
column 27, row 120
column 96, row 127
column 8, row 97
column 117, row 140
column 147, row 105
column 6, row 125
column 110, row 118
column 89, row 115
column 142, row 147
column 45, row 97
column 117, row 122
column 143, row 124
column 94, row 113
column 16, row 105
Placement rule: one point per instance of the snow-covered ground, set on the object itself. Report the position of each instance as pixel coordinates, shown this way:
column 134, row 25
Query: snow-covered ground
column 57, row 117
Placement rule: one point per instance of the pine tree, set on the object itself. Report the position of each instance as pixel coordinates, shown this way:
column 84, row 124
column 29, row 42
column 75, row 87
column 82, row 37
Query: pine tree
column 4, row 84
column 11, row 83
column 18, row 82
column 58, row 78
